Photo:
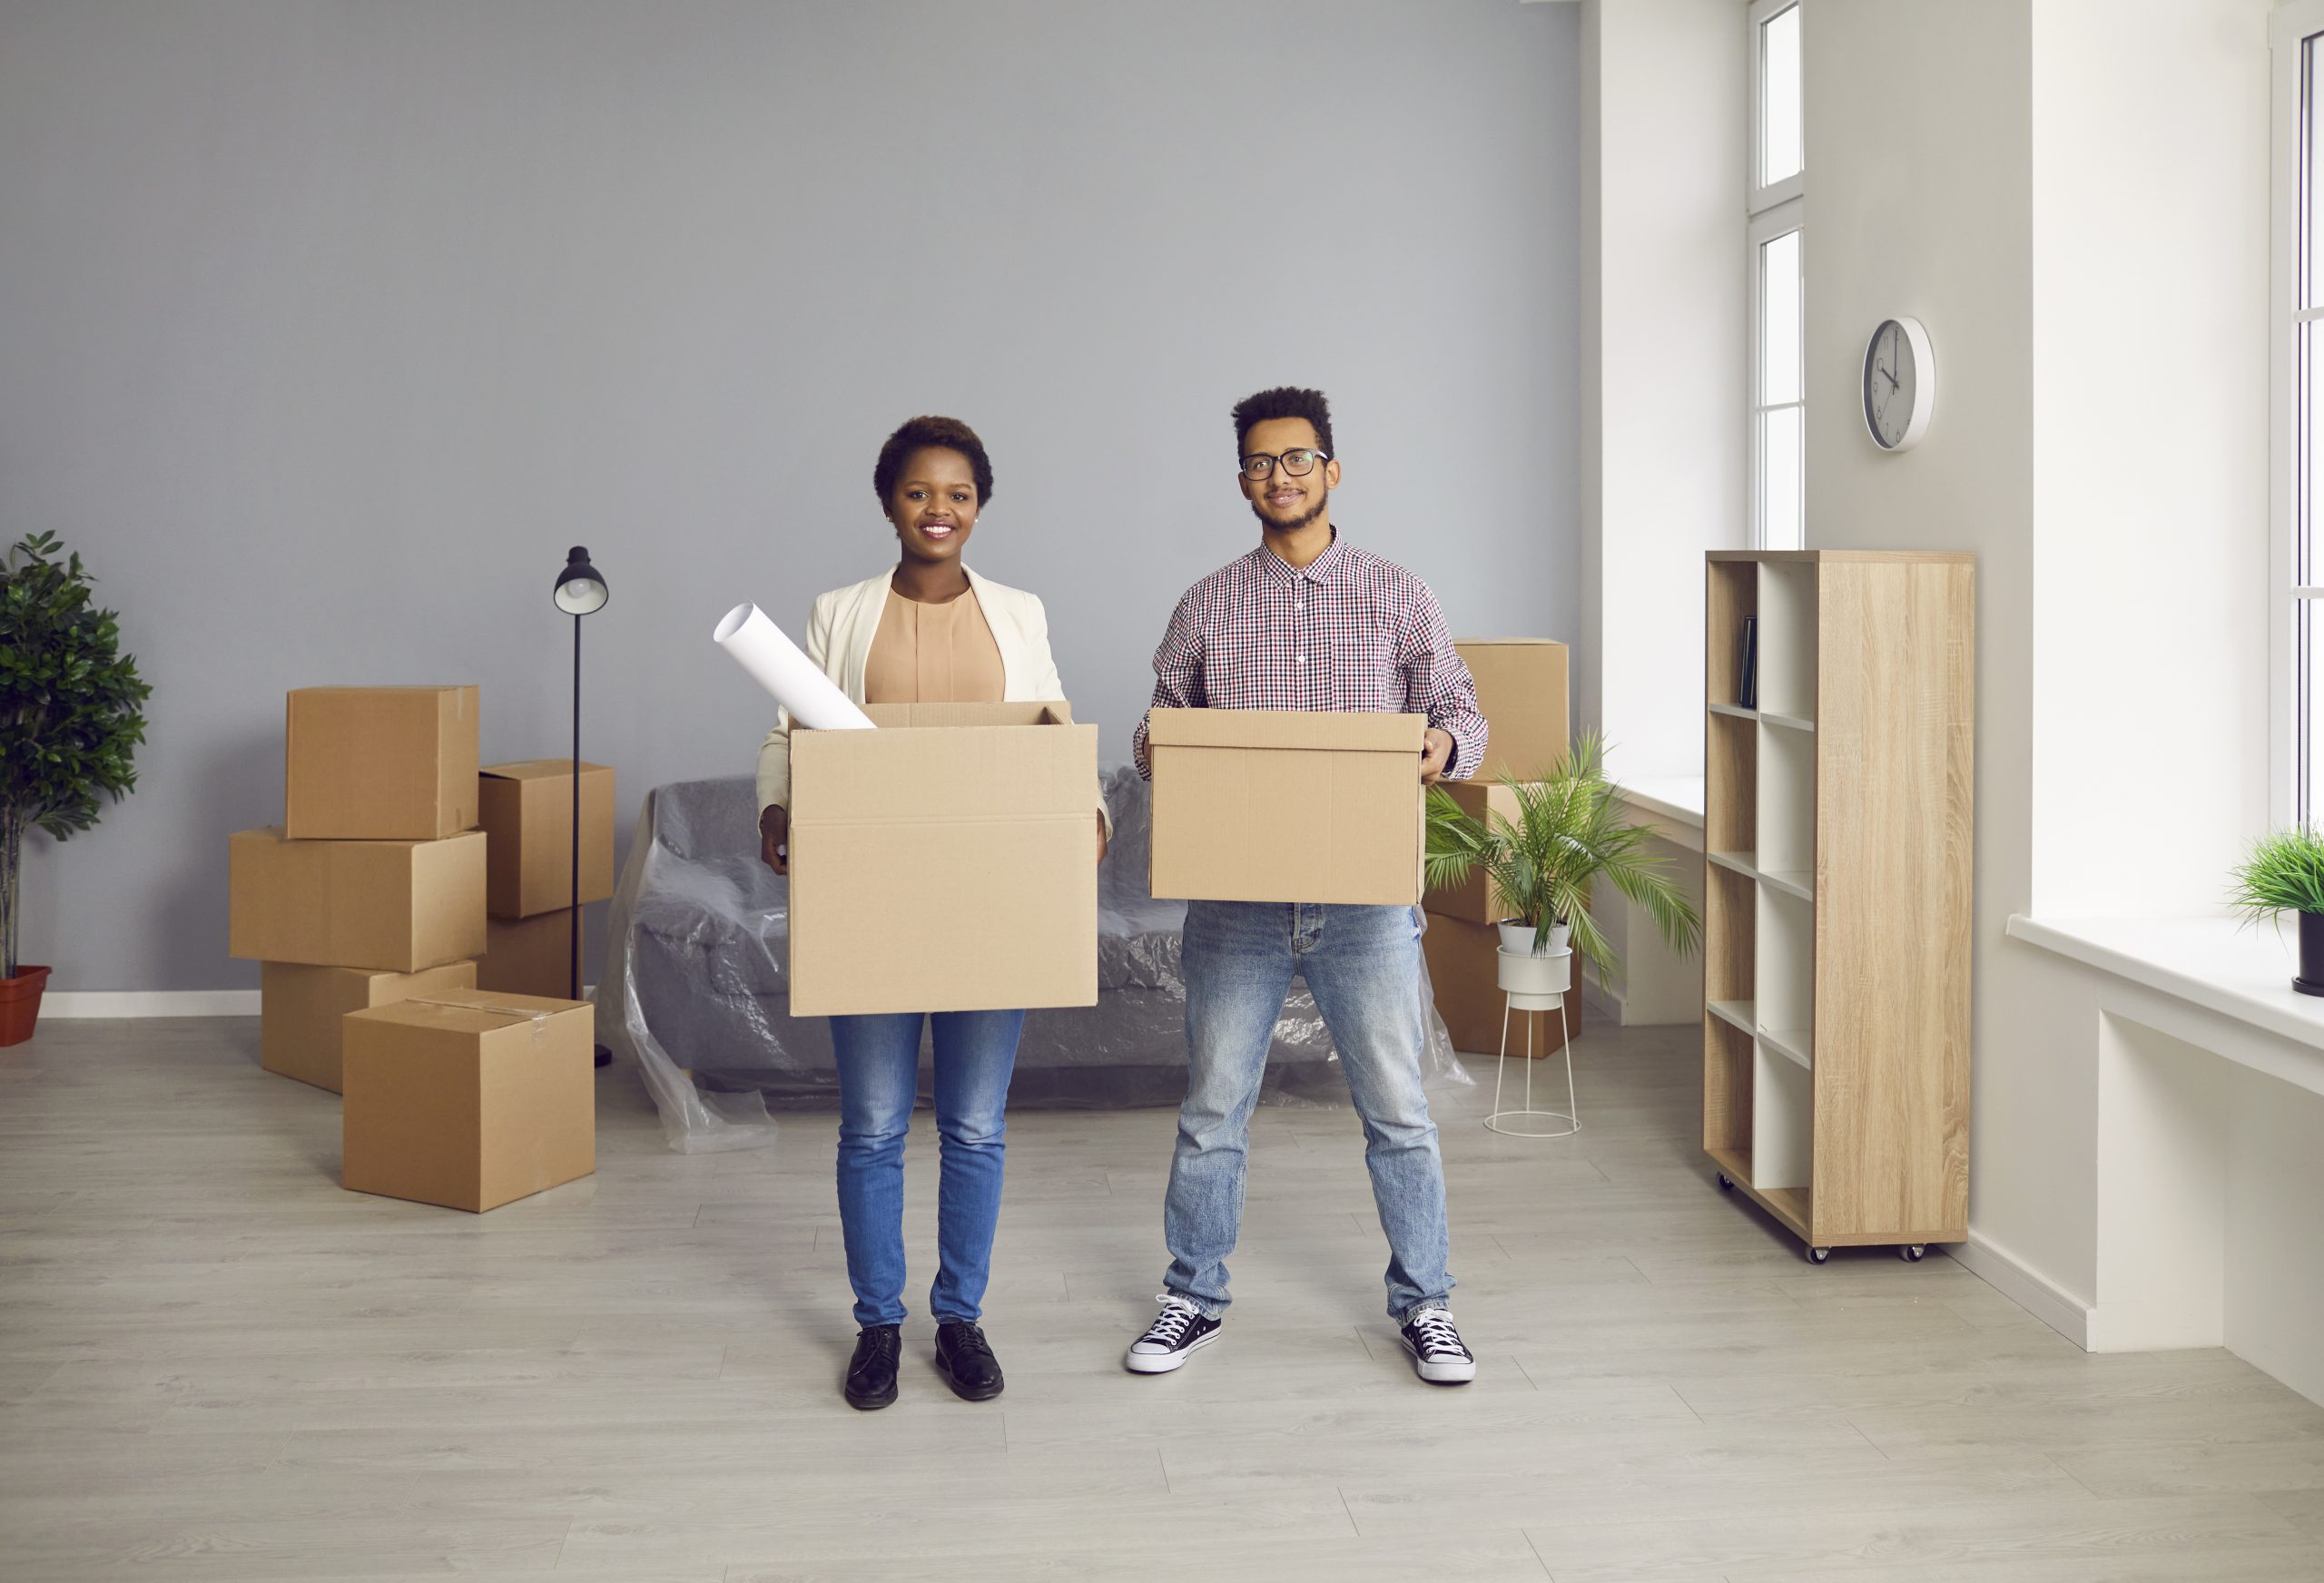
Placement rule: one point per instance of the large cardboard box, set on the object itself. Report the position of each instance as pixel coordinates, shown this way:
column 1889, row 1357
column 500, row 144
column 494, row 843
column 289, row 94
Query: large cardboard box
column 1283, row 805
column 1465, row 973
column 526, row 810
column 1522, row 689
column 945, row 861
column 302, row 1009
column 469, row 1100
column 1476, row 899
column 380, row 763
column 531, row 955
column 401, row 905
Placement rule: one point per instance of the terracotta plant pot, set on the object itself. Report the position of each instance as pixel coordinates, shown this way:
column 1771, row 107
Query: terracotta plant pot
column 20, row 1003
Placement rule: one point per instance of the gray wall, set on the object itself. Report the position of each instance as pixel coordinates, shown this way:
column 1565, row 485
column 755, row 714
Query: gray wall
column 325, row 328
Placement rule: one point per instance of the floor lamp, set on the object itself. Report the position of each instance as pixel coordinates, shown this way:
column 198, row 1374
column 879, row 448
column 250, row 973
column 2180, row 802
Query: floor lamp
column 580, row 591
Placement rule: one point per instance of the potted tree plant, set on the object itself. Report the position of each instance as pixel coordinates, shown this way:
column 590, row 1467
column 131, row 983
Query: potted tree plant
column 70, row 715
column 1568, row 835
column 2285, row 873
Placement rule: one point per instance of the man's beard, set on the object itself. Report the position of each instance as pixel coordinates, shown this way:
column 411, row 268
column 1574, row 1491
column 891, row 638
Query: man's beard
column 1310, row 514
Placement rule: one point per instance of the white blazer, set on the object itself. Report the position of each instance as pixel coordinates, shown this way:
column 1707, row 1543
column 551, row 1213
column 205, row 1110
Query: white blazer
column 840, row 631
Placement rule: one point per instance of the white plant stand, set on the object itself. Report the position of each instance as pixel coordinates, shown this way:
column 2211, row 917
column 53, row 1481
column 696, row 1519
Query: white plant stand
column 1534, row 983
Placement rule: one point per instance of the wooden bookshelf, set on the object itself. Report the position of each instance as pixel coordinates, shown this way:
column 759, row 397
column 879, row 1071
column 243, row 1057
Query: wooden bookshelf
column 1837, row 837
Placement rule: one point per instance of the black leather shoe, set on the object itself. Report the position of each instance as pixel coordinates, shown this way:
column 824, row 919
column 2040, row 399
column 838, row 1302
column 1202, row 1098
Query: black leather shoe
column 872, row 1371
column 965, row 1359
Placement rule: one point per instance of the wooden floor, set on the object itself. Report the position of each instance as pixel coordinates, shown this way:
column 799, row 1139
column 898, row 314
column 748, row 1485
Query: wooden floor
column 216, row 1364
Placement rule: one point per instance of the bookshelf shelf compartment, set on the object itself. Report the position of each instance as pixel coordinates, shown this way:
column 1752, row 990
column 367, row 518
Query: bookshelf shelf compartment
column 1836, row 927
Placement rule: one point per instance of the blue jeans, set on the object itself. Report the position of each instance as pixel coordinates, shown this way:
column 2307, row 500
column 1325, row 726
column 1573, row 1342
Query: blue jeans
column 879, row 1077
column 1362, row 965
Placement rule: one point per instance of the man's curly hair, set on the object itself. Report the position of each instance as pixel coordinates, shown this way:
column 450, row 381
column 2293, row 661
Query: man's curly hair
column 920, row 434
column 1285, row 401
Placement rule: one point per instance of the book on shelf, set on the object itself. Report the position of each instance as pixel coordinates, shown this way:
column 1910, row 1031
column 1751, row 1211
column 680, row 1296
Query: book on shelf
column 1747, row 694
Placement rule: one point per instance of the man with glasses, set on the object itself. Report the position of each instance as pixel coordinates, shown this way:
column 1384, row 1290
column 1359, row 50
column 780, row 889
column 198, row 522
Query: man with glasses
column 1307, row 622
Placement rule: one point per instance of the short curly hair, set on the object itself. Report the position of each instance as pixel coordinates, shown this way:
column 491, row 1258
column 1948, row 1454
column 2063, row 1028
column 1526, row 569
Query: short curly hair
column 1285, row 401
column 917, row 434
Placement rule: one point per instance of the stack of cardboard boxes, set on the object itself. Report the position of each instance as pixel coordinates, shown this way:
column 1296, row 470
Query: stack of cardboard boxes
column 366, row 908
column 1521, row 689
column 531, row 945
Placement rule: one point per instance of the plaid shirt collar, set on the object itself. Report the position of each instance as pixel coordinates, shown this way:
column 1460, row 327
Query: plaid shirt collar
column 1315, row 571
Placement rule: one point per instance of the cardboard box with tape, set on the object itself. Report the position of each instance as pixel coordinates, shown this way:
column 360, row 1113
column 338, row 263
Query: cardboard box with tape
column 1285, row 805
column 526, row 811
column 380, row 763
column 303, row 1010
column 944, row 862
column 1521, row 691
column 399, row 905
column 469, row 1100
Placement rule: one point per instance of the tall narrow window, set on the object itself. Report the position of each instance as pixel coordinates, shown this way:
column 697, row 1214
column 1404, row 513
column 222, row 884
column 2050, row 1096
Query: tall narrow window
column 1775, row 198
column 2297, row 415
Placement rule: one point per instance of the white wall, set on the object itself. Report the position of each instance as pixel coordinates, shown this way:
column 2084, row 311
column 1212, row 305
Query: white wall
column 2150, row 465
column 2068, row 194
column 1664, row 363
column 326, row 326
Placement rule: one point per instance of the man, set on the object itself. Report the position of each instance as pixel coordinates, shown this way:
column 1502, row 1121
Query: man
column 1307, row 622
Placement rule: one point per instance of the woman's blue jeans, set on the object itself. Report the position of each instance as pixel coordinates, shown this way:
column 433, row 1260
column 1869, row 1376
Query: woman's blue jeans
column 879, row 1074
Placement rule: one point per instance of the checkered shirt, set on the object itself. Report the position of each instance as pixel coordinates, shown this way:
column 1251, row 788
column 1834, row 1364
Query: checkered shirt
column 1348, row 632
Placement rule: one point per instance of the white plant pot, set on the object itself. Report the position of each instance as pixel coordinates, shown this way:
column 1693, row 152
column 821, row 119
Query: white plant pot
column 1515, row 936
column 1524, row 973
column 1560, row 936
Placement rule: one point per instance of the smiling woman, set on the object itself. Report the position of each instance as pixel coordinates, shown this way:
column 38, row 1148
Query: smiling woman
column 930, row 631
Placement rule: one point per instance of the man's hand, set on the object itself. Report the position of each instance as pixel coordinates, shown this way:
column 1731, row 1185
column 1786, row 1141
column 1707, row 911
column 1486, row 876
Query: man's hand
column 775, row 836
column 1436, row 752
column 1101, row 838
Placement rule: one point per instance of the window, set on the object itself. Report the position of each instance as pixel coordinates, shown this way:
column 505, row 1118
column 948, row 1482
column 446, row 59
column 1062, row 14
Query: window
column 1776, row 195
column 2297, row 415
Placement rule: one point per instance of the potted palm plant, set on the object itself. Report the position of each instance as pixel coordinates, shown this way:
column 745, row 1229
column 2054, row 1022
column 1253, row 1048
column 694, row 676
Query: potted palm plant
column 70, row 715
column 2285, row 873
column 1567, row 835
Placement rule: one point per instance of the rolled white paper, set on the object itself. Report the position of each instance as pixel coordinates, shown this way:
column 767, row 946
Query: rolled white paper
column 775, row 663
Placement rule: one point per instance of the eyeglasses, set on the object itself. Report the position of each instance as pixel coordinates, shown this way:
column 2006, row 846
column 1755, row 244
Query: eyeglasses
column 1298, row 464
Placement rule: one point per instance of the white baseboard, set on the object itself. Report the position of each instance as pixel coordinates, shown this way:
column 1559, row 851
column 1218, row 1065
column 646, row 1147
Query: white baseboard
column 87, row 1003
column 2019, row 1282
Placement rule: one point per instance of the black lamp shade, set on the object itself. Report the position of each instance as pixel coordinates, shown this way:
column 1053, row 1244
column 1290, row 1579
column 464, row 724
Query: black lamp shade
column 580, row 591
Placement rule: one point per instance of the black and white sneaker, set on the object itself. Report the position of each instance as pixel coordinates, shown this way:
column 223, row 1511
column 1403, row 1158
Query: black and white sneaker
column 1177, row 1332
column 1438, row 1355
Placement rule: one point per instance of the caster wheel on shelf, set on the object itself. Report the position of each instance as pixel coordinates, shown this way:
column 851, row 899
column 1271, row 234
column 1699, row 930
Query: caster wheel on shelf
column 1726, row 1183
column 1913, row 1252
column 1819, row 1255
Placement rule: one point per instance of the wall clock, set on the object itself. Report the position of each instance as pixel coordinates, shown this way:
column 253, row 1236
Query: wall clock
column 1899, row 384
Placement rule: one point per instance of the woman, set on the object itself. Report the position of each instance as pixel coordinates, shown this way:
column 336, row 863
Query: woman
column 931, row 630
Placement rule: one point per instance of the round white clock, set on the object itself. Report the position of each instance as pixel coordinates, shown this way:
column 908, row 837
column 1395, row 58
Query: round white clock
column 1899, row 383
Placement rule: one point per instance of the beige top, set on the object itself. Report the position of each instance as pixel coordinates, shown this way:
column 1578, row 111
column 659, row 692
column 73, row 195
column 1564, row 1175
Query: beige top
column 933, row 653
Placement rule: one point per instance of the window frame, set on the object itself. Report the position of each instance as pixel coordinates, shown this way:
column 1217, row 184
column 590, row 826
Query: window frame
column 1772, row 210
column 2295, row 96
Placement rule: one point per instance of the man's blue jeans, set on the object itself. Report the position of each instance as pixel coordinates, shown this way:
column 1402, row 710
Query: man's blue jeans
column 879, row 1073
column 1362, row 965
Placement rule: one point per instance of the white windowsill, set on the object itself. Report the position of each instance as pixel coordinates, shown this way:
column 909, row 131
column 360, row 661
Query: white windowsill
column 1678, row 798
column 2221, row 965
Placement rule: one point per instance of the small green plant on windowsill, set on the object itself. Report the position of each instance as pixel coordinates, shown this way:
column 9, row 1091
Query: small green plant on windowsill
column 1568, row 835
column 2284, row 872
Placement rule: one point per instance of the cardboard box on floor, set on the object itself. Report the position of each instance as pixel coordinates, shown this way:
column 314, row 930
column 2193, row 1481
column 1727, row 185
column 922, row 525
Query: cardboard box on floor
column 380, row 763
column 303, row 1010
column 1522, row 689
column 944, row 862
column 1285, row 805
column 469, row 1106
column 526, row 811
column 397, row 905
column 1464, row 971
column 531, row 955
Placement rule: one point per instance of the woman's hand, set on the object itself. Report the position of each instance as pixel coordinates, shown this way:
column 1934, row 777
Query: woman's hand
column 1101, row 837
column 774, row 835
